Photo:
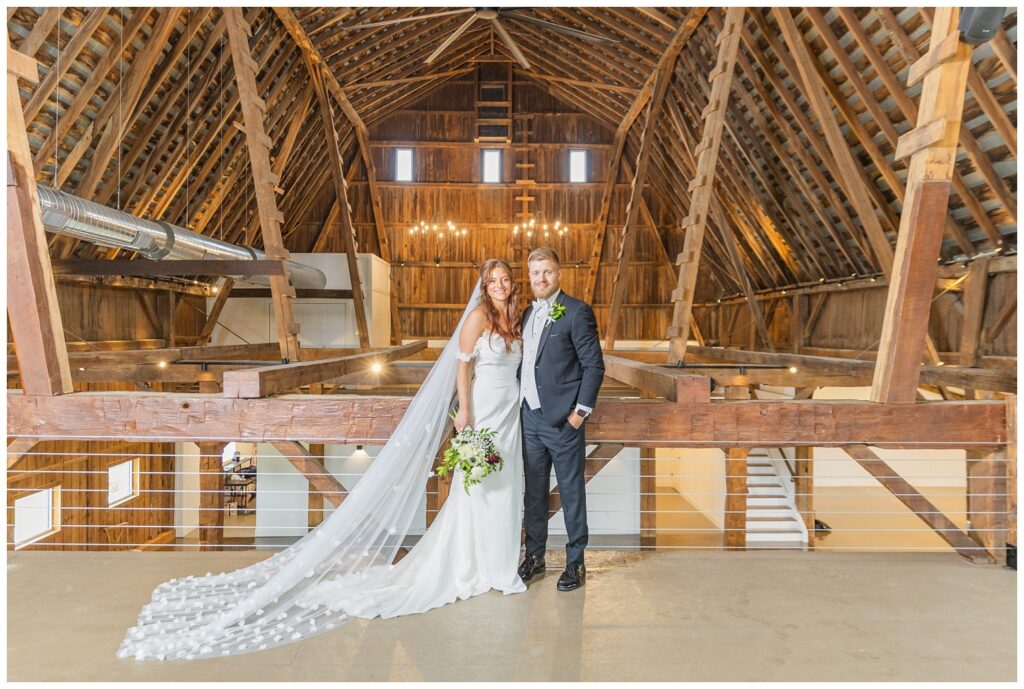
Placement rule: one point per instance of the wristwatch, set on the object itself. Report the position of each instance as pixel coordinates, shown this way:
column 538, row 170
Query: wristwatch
column 582, row 413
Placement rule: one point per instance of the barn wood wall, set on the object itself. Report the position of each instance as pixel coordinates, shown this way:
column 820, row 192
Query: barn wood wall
column 79, row 468
column 441, row 128
column 100, row 313
column 853, row 321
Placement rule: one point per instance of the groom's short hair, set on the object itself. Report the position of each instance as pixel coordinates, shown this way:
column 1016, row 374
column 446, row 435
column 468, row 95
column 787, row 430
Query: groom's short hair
column 544, row 253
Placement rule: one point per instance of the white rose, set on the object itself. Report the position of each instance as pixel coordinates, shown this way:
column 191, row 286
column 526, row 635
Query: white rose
column 466, row 452
column 477, row 472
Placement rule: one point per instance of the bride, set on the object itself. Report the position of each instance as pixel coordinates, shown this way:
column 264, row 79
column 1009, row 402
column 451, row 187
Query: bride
column 345, row 567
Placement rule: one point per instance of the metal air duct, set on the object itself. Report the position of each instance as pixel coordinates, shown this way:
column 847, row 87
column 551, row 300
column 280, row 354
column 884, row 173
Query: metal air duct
column 70, row 215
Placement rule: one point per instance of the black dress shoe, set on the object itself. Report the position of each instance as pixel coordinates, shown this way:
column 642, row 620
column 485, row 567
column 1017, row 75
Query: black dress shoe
column 530, row 567
column 574, row 576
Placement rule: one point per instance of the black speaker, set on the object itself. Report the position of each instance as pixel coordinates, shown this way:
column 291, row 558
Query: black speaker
column 979, row 24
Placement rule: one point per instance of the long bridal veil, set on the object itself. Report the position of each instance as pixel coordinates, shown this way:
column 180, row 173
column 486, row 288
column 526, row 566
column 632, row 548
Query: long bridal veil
column 261, row 606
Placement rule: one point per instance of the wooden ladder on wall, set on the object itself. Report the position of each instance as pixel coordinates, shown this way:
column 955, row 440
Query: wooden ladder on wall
column 701, row 186
column 493, row 110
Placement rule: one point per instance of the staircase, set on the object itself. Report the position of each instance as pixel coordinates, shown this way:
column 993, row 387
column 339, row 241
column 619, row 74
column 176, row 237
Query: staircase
column 772, row 519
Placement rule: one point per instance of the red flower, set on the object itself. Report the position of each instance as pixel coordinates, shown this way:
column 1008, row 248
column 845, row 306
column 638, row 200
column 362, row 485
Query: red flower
column 493, row 459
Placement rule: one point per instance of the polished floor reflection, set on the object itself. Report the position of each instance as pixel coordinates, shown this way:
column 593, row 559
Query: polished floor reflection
column 782, row 616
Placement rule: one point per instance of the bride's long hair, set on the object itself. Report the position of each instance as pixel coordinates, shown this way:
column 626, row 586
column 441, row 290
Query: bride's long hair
column 514, row 331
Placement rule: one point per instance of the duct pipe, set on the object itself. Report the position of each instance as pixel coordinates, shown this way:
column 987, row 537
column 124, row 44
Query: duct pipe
column 70, row 215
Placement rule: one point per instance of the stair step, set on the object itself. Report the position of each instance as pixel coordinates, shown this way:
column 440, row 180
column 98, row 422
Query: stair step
column 764, row 525
column 777, row 532
column 772, row 519
column 760, row 478
column 777, row 545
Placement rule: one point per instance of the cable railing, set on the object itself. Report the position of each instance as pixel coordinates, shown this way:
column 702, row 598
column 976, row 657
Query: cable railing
column 642, row 499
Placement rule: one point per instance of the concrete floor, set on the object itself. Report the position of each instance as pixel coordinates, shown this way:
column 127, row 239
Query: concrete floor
column 778, row 616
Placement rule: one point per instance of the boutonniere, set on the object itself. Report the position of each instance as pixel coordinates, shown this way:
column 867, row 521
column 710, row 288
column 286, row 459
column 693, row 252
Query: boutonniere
column 554, row 313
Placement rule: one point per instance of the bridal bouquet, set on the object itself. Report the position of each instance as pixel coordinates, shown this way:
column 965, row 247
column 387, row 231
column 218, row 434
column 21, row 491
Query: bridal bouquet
column 474, row 452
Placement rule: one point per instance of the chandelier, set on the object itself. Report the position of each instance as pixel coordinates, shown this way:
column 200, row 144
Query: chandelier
column 438, row 237
column 537, row 232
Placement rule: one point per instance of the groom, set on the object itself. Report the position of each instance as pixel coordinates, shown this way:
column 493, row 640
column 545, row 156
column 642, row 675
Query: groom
column 560, row 375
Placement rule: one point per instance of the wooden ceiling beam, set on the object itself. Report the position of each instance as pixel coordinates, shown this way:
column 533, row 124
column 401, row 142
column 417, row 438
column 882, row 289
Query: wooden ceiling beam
column 59, row 68
column 847, row 169
column 800, row 152
column 898, row 92
column 69, row 117
column 912, row 280
column 32, row 308
column 315, row 62
column 41, row 30
column 113, row 129
column 333, row 419
column 268, row 380
column 258, row 143
column 881, row 118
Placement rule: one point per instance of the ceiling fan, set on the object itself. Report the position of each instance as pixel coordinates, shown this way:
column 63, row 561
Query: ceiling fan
column 494, row 16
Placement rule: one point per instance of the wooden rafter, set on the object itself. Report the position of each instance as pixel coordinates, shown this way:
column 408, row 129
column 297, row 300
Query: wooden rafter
column 848, row 168
column 702, row 184
column 264, row 179
column 912, row 281
column 32, row 307
column 662, row 77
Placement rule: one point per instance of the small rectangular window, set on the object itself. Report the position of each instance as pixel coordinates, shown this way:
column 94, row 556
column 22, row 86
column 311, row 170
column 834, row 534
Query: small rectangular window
column 577, row 166
column 36, row 515
column 492, row 166
column 121, row 482
column 403, row 165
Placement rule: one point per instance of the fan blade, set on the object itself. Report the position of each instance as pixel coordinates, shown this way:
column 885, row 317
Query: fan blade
column 419, row 17
column 558, row 28
column 451, row 39
column 506, row 38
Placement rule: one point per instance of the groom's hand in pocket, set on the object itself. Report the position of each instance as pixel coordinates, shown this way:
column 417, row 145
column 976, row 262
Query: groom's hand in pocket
column 575, row 420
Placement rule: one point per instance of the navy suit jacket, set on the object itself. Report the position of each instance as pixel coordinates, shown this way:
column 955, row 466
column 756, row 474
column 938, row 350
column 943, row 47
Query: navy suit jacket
column 570, row 365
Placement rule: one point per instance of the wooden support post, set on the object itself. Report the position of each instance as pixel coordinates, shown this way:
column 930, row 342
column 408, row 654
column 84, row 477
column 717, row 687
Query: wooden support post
column 736, row 484
column 729, row 240
column 987, row 501
column 1011, row 470
column 648, row 498
column 797, row 319
column 975, row 288
column 805, row 488
column 918, row 504
column 32, row 307
column 316, row 503
column 223, row 292
column 211, row 496
column 258, row 144
column 344, row 207
column 912, row 281
column 704, row 178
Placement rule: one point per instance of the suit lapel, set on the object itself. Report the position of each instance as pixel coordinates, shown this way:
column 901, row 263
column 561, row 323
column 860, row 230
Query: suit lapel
column 547, row 329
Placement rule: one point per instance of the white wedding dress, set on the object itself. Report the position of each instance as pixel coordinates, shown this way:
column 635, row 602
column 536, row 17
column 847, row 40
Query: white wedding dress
column 473, row 544
column 345, row 567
